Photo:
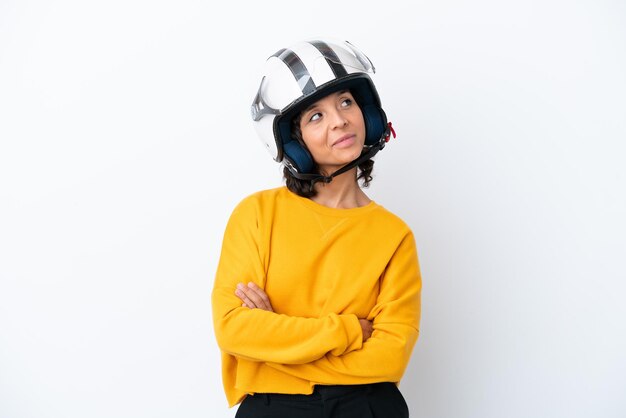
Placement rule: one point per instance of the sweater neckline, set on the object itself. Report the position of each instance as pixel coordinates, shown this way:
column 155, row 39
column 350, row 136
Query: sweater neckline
column 325, row 210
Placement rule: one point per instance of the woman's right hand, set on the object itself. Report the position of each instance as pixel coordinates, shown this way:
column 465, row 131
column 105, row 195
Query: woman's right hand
column 367, row 328
column 253, row 297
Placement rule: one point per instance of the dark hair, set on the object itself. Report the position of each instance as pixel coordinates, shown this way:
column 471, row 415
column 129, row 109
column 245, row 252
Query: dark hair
column 305, row 188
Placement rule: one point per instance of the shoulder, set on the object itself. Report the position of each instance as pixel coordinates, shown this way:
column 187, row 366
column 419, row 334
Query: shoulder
column 390, row 220
column 262, row 198
column 397, row 233
column 260, row 202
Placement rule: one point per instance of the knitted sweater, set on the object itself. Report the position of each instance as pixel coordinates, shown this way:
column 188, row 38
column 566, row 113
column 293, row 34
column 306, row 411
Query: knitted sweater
column 323, row 269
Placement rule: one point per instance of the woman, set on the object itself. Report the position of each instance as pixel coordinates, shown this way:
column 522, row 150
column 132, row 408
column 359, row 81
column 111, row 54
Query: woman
column 316, row 301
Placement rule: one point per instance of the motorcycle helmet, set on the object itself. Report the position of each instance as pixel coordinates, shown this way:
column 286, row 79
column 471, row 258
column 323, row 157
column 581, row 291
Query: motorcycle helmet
column 296, row 77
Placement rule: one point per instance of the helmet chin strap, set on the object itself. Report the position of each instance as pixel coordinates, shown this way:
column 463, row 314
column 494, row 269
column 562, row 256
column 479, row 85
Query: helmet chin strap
column 314, row 178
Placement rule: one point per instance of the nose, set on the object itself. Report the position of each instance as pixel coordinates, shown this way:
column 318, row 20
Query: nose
column 338, row 119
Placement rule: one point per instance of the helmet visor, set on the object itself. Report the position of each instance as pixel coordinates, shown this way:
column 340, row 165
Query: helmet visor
column 346, row 55
column 318, row 59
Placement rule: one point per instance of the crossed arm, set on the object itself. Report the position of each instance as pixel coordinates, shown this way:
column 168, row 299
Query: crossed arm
column 254, row 297
column 386, row 349
column 389, row 332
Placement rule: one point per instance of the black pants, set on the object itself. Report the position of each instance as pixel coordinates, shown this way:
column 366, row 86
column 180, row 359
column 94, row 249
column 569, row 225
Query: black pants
column 377, row 400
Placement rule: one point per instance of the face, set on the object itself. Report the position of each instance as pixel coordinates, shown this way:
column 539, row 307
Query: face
column 333, row 130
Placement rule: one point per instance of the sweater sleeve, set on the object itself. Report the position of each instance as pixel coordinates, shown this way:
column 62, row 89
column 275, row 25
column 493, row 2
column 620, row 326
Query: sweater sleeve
column 396, row 316
column 258, row 335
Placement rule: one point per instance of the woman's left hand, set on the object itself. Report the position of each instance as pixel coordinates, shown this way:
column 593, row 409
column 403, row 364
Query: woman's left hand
column 253, row 297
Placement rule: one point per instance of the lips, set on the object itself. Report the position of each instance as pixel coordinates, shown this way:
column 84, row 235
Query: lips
column 345, row 140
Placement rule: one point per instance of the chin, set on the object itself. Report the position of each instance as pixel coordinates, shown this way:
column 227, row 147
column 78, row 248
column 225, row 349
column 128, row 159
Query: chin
column 344, row 157
column 355, row 154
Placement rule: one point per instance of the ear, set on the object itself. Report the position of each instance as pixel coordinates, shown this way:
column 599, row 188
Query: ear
column 375, row 123
column 299, row 157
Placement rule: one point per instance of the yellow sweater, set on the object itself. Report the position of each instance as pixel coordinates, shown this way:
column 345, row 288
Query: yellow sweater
column 322, row 269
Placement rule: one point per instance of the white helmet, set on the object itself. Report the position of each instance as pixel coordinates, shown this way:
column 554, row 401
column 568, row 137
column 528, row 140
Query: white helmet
column 296, row 77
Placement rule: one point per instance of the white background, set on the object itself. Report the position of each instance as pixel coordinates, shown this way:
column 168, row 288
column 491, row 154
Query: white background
column 126, row 142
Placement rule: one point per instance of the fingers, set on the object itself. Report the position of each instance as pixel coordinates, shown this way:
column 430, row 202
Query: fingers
column 366, row 328
column 253, row 297
column 241, row 293
column 260, row 293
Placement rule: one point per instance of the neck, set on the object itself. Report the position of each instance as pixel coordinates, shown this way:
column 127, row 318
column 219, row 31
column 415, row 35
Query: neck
column 341, row 193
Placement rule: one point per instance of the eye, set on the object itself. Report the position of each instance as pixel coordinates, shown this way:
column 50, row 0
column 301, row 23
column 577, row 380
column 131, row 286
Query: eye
column 346, row 102
column 315, row 116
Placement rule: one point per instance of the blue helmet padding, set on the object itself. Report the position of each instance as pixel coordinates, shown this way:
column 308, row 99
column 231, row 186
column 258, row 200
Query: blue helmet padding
column 375, row 123
column 298, row 156
column 364, row 92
